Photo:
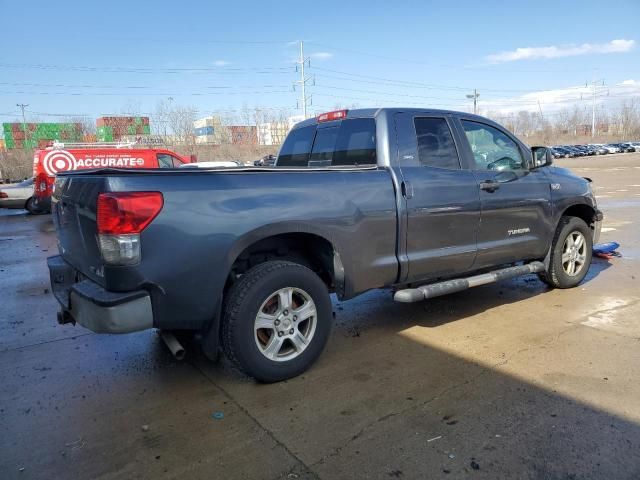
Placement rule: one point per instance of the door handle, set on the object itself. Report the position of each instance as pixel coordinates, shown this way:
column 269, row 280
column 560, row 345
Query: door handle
column 489, row 185
column 407, row 189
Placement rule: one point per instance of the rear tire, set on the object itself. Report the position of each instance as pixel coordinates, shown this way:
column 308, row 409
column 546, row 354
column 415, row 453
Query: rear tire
column 31, row 208
column 570, row 256
column 277, row 320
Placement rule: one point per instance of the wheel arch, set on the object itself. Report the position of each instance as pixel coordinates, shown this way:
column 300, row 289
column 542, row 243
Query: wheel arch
column 299, row 243
column 583, row 211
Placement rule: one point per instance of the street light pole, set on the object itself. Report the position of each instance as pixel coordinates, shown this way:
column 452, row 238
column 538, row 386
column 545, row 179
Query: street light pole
column 475, row 96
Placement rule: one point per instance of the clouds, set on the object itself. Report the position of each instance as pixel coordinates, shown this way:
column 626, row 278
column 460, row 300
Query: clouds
column 562, row 98
column 321, row 55
column 559, row 51
column 221, row 63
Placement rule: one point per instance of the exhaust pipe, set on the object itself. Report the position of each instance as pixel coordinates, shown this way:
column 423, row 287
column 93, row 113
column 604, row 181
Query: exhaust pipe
column 174, row 346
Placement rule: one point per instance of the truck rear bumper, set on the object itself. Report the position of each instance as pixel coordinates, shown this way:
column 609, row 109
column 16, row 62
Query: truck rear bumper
column 95, row 308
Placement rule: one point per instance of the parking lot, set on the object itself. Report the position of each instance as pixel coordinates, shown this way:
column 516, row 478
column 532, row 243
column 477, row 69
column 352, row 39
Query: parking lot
column 509, row 380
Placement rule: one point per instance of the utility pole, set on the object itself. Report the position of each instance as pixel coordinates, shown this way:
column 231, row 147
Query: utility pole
column 24, row 121
column 475, row 100
column 597, row 86
column 304, row 100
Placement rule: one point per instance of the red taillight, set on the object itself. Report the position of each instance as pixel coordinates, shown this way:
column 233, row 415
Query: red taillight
column 336, row 115
column 127, row 212
column 3, row 195
column 43, row 185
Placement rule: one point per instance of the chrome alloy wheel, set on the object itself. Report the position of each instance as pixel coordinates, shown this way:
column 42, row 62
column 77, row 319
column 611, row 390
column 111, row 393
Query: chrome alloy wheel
column 285, row 324
column 574, row 253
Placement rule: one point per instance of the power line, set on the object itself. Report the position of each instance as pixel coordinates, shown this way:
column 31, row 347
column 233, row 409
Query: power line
column 150, row 70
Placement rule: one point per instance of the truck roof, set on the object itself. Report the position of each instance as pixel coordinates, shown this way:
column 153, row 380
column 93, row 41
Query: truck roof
column 374, row 112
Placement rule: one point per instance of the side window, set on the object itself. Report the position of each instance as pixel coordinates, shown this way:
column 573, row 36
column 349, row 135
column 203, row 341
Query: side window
column 176, row 162
column 296, row 148
column 492, row 149
column 164, row 160
column 435, row 143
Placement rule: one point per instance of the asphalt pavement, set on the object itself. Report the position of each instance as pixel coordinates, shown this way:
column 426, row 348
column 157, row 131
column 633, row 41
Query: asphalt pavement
column 510, row 380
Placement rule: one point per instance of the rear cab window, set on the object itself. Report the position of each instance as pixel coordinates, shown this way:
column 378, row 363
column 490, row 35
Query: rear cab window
column 351, row 142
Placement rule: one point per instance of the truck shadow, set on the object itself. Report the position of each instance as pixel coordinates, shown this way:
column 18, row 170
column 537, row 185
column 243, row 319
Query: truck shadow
column 482, row 396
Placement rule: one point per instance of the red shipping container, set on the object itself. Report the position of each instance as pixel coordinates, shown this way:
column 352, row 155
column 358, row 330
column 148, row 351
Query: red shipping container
column 19, row 135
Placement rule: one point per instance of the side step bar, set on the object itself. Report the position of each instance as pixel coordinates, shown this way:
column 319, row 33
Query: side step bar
column 410, row 295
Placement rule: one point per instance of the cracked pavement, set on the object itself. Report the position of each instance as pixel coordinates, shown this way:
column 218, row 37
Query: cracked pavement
column 510, row 380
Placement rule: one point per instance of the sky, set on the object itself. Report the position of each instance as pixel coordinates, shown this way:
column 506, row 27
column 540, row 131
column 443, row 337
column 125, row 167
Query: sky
column 76, row 58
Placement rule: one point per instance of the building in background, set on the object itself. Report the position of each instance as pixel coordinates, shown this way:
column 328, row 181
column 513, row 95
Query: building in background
column 274, row 133
column 209, row 130
column 212, row 131
column 34, row 135
column 243, row 134
column 113, row 129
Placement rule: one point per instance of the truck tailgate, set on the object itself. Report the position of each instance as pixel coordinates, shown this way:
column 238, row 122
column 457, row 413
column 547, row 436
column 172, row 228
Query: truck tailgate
column 74, row 214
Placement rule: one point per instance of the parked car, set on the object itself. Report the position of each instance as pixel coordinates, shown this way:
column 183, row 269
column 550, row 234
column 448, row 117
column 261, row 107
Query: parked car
column 626, row 147
column 559, row 152
column 636, row 146
column 599, row 149
column 18, row 195
column 62, row 157
column 612, row 148
column 216, row 164
column 584, row 149
column 422, row 202
column 574, row 151
column 266, row 161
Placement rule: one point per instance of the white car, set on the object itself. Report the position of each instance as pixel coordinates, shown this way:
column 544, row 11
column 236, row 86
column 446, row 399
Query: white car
column 18, row 195
column 220, row 164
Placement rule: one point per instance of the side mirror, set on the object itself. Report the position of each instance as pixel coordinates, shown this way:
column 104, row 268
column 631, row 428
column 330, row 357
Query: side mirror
column 542, row 157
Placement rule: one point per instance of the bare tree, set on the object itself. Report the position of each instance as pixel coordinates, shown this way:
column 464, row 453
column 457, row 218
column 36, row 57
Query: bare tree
column 180, row 120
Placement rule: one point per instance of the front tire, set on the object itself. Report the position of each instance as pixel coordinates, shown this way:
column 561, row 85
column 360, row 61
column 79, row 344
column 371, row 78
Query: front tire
column 570, row 254
column 277, row 320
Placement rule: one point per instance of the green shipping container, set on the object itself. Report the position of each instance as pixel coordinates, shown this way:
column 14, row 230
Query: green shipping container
column 9, row 143
column 131, row 130
column 146, row 129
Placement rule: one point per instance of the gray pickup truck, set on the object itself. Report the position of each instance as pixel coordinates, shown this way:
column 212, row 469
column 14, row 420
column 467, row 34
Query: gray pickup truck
column 422, row 202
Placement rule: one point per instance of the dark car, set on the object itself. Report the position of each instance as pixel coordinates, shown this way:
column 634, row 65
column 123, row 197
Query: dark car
column 574, row 151
column 559, row 152
column 422, row 202
column 266, row 161
column 626, row 147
